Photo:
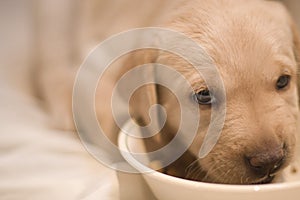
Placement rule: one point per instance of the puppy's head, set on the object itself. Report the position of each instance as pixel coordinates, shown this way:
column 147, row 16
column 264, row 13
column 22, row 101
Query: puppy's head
column 256, row 49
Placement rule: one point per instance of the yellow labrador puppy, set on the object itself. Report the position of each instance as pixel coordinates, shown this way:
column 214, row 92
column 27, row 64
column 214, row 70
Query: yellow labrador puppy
column 255, row 46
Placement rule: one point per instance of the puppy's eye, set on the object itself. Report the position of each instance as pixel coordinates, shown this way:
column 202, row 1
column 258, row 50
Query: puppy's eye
column 282, row 82
column 203, row 97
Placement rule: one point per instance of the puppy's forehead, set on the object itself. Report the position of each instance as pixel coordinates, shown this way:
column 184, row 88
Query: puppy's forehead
column 246, row 39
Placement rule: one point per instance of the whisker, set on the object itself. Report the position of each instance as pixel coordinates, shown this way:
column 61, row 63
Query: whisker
column 190, row 170
column 197, row 174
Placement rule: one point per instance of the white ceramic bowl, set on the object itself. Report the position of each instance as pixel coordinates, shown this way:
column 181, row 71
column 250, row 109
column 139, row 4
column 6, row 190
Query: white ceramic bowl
column 167, row 187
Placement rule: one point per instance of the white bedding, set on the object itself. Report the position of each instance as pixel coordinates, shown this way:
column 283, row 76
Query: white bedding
column 39, row 163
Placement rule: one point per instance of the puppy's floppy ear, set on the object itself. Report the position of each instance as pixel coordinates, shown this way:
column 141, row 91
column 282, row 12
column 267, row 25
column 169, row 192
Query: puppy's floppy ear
column 145, row 95
column 143, row 98
column 296, row 49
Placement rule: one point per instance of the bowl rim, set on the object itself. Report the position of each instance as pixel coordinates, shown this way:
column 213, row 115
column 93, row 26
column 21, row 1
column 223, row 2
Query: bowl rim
column 225, row 187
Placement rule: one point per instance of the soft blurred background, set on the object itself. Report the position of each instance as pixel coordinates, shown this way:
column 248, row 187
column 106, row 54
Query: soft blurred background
column 44, row 32
column 37, row 162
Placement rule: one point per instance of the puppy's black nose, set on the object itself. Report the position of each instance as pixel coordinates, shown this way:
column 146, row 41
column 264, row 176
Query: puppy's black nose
column 266, row 163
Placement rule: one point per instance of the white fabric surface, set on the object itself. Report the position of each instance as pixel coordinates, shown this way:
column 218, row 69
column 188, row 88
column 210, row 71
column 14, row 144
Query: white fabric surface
column 39, row 163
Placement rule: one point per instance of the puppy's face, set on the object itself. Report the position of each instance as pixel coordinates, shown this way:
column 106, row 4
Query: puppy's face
column 258, row 136
column 254, row 49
